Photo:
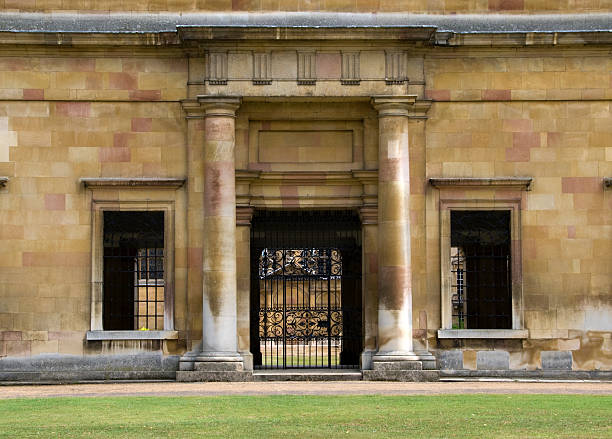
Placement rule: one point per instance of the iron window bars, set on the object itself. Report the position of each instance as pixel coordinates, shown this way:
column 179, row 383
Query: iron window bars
column 481, row 288
column 134, row 282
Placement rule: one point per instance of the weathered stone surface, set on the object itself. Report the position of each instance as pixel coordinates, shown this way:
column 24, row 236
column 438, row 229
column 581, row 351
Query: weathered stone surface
column 534, row 374
column 450, row 360
column 214, row 376
column 307, row 375
column 396, row 365
column 492, row 360
column 72, row 368
column 557, row 360
column 401, row 375
column 218, row 366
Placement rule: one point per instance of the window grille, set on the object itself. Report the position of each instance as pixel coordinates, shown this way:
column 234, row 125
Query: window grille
column 134, row 282
column 481, row 288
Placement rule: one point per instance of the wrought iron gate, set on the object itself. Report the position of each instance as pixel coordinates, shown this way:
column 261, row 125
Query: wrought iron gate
column 306, row 289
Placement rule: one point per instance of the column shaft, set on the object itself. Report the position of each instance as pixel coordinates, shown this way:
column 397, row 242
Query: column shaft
column 394, row 277
column 219, row 246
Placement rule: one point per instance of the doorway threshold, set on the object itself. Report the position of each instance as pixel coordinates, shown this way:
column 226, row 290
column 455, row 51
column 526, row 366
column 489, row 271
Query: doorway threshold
column 308, row 375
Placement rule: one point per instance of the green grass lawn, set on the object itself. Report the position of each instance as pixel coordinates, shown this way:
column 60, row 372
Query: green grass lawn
column 457, row 416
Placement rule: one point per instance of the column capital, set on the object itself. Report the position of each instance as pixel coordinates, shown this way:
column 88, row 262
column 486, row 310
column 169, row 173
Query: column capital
column 220, row 105
column 192, row 108
column 406, row 106
column 393, row 105
column 205, row 105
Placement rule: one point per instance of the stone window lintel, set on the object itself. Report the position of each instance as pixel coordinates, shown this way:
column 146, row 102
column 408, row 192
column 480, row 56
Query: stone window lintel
column 488, row 182
column 132, row 182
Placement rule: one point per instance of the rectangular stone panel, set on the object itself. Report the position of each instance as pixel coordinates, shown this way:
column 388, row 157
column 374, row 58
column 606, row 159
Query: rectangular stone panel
column 450, row 360
column 492, row 360
column 556, row 360
column 306, row 146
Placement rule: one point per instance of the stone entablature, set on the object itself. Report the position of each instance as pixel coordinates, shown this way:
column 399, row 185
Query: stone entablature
column 306, row 189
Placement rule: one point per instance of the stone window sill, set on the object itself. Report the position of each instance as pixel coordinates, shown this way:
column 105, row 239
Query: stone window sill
column 483, row 333
column 132, row 335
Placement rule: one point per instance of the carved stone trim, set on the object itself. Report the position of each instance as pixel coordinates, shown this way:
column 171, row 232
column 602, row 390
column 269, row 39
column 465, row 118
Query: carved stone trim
column 419, row 110
column 3, row 181
column 225, row 106
column 216, row 67
column 368, row 215
column 350, row 68
column 244, row 215
column 193, row 109
column 307, row 68
column 262, row 68
column 395, row 67
column 523, row 183
column 112, row 182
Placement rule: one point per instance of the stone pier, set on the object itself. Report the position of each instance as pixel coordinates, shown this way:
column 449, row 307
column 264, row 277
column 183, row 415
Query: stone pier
column 395, row 358
column 219, row 359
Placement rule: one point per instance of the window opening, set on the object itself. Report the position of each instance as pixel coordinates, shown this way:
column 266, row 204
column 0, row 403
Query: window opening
column 481, row 286
column 134, row 282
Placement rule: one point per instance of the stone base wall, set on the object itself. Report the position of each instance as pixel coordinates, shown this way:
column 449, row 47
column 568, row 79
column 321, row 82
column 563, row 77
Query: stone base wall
column 74, row 368
column 584, row 352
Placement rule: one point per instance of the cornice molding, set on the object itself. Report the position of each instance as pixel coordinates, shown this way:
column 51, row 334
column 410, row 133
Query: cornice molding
column 137, row 182
column 523, row 183
column 188, row 29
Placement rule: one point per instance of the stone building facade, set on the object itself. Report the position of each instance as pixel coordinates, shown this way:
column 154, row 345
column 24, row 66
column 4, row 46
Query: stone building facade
column 171, row 170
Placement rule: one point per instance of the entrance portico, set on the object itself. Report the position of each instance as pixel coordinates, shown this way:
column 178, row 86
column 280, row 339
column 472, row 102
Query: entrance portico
column 381, row 196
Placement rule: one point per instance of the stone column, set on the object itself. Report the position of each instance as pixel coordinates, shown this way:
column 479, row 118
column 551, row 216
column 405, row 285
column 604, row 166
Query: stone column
column 394, row 358
column 219, row 358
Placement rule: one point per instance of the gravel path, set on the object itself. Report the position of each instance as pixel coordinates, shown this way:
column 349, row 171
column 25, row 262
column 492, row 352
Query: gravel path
column 303, row 388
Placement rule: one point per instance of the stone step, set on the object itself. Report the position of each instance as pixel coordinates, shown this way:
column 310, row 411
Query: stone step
column 308, row 375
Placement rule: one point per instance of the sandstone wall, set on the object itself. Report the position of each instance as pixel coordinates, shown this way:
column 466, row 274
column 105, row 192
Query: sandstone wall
column 496, row 112
column 550, row 118
column 64, row 119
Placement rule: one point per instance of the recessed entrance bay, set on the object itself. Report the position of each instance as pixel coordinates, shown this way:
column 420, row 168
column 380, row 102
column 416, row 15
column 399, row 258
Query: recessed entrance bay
column 306, row 289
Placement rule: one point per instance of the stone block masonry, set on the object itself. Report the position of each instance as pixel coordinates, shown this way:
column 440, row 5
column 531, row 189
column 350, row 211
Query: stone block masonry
column 210, row 124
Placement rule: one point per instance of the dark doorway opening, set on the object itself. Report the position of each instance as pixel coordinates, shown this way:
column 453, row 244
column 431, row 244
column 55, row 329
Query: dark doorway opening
column 306, row 305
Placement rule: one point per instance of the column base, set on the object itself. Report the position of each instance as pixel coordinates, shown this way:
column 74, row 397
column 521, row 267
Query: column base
column 213, row 366
column 402, row 366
